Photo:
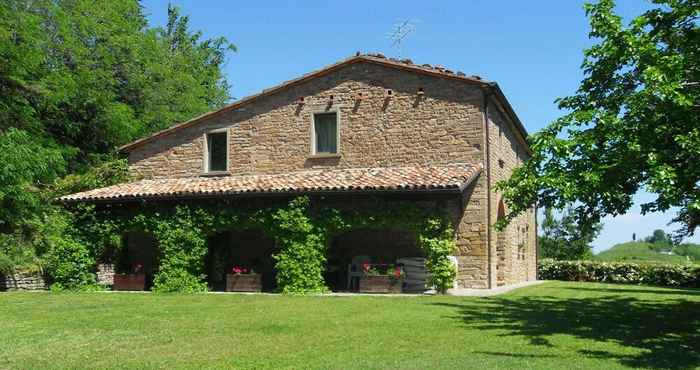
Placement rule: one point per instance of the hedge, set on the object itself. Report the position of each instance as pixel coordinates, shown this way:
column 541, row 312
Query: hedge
column 621, row 272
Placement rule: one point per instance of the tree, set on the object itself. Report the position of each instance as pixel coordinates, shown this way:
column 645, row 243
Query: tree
column 660, row 241
column 78, row 79
column 634, row 123
column 563, row 240
column 658, row 237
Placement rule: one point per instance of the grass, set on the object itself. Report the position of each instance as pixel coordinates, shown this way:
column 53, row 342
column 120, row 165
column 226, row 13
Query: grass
column 638, row 252
column 553, row 325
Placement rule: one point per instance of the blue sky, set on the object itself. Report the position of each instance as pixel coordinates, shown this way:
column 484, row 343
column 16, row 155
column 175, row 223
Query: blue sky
column 532, row 49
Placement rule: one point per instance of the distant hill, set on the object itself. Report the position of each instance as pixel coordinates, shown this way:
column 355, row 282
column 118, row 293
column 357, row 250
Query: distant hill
column 646, row 252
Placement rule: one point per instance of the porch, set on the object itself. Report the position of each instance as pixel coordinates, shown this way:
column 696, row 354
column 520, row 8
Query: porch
column 250, row 252
column 377, row 230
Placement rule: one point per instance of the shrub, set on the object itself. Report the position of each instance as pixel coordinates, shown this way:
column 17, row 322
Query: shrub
column 621, row 272
column 17, row 255
column 437, row 241
column 302, row 258
column 6, row 264
column 70, row 265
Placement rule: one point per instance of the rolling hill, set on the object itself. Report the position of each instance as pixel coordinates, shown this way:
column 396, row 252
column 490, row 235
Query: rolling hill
column 645, row 252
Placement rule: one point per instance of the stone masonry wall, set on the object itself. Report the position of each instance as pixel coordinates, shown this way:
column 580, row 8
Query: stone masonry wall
column 20, row 281
column 517, row 254
column 273, row 135
column 105, row 274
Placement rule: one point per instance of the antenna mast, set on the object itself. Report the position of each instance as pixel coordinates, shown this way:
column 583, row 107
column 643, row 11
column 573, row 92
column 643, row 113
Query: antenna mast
column 401, row 30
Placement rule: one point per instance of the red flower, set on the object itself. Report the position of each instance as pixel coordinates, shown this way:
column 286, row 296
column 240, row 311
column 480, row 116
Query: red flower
column 397, row 272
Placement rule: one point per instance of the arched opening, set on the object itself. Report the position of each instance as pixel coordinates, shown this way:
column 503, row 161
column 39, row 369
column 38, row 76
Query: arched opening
column 348, row 253
column 501, row 255
column 248, row 252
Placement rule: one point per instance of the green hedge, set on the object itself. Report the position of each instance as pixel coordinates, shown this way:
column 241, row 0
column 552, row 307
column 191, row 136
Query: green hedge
column 621, row 272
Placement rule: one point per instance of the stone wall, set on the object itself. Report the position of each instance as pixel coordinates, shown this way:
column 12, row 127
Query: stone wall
column 105, row 274
column 444, row 125
column 19, row 281
column 514, row 249
column 273, row 134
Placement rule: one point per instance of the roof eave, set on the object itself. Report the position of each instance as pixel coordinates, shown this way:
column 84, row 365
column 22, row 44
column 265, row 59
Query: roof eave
column 511, row 112
column 133, row 199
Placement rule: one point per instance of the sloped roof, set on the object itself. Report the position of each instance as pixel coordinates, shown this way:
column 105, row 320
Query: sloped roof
column 403, row 64
column 447, row 178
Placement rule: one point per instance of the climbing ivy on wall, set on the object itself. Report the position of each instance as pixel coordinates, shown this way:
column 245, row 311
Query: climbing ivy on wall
column 301, row 230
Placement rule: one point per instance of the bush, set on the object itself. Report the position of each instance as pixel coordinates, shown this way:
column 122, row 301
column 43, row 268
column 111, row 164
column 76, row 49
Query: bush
column 17, row 255
column 70, row 265
column 6, row 264
column 621, row 272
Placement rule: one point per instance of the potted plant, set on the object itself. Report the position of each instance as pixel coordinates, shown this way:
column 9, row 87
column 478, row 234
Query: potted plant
column 381, row 278
column 243, row 280
column 136, row 280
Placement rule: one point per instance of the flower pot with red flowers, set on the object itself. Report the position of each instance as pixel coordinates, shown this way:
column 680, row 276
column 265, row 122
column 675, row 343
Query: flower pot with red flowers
column 381, row 278
column 136, row 280
column 243, row 280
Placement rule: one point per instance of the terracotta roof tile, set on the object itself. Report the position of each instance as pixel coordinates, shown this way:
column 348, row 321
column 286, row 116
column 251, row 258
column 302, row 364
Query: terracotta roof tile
column 453, row 177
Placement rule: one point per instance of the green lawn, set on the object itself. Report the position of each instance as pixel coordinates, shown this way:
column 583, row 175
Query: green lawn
column 553, row 325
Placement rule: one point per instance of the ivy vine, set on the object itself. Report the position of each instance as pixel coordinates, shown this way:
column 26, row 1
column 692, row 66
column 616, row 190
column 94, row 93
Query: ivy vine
column 301, row 230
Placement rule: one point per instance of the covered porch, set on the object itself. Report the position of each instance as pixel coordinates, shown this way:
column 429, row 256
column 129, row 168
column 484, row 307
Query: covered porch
column 308, row 231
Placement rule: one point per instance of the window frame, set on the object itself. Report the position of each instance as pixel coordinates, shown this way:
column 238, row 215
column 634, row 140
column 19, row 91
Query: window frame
column 312, row 133
column 205, row 165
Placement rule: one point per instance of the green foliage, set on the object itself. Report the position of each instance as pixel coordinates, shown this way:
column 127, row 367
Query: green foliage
column 689, row 250
column 79, row 79
column 25, row 165
column 301, row 232
column 7, row 265
column 302, row 260
column 104, row 174
column 660, row 241
column 70, row 265
column 15, row 256
column 95, row 77
column 632, row 124
column 620, row 272
column 437, row 241
column 563, row 240
column 182, row 248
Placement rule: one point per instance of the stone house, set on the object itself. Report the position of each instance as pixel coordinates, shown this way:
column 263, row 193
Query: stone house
column 367, row 126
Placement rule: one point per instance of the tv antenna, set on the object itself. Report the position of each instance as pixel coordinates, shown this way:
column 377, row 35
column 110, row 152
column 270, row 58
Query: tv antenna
column 401, row 31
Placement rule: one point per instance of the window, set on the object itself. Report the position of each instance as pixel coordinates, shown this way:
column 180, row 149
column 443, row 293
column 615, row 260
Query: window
column 217, row 151
column 325, row 133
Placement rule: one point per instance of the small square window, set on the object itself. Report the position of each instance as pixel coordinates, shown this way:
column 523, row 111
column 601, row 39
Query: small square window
column 325, row 133
column 217, row 151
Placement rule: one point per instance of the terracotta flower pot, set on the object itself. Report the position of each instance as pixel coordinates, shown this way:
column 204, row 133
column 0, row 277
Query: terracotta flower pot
column 129, row 281
column 380, row 284
column 243, row 282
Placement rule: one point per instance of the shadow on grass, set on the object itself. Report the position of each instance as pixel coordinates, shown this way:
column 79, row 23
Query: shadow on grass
column 666, row 332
